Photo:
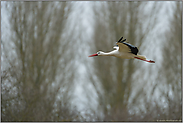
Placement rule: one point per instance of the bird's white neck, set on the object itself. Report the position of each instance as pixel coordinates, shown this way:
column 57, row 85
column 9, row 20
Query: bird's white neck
column 107, row 54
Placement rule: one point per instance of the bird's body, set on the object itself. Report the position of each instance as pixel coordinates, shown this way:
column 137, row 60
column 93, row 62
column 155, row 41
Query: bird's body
column 125, row 51
column 117, row 54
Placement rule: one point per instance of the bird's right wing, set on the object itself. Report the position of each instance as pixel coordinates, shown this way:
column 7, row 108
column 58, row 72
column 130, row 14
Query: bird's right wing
column 123, row 47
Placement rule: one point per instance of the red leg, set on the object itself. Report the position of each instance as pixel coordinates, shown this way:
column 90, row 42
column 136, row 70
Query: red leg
column 150, row 61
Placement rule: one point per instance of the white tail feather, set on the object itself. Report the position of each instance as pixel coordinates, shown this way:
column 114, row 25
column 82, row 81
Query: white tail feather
column 141, row 57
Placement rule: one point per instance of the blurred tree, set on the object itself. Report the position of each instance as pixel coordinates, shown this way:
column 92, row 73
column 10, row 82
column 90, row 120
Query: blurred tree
column 38, row 82
column 171, row 65
column 164, row 101
column 113, row 20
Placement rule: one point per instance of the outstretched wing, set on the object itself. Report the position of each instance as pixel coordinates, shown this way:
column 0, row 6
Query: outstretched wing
column 125, row 47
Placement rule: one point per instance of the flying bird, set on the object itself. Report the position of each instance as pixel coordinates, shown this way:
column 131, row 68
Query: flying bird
column 125, row 51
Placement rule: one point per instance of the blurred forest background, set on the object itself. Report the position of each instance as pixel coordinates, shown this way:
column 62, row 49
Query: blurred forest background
column 46, row 74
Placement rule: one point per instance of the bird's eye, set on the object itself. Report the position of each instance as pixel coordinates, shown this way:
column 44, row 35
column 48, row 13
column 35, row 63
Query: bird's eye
column 98, row 52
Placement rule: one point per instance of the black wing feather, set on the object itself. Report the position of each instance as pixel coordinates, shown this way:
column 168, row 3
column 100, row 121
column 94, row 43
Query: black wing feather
column 120, row 39
column 134, row 49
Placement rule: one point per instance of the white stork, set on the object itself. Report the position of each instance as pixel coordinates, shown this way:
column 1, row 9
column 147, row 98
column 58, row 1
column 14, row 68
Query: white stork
column 123, row 50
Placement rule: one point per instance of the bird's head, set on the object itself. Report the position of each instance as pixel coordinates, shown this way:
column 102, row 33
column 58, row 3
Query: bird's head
column 96, row 54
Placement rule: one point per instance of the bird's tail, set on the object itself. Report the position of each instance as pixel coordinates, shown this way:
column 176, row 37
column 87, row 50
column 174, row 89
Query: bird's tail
column 141, row 57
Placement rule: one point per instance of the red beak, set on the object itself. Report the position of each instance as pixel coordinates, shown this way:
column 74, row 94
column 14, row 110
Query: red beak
column 93, row 55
